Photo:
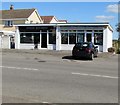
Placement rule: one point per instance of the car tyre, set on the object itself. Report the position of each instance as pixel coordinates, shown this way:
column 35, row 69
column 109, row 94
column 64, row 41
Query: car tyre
column 91, row 56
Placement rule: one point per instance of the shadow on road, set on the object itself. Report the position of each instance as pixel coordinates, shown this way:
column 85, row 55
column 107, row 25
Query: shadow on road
column 71, row 58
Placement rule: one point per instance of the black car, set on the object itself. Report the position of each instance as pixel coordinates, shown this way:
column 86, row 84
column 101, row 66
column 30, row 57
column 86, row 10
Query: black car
column 85, row 50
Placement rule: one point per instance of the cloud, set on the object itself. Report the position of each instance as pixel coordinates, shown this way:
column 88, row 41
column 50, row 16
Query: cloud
column 115, row 8
column 104, row 18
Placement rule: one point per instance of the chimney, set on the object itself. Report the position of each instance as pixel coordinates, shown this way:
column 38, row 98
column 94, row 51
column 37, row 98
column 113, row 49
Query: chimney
column 11, row 7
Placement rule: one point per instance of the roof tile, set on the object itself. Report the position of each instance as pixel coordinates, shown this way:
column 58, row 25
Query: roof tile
column 18, row 13
column 47, row 19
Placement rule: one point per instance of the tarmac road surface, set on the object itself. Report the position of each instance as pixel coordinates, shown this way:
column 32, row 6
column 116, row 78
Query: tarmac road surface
column 40, row 78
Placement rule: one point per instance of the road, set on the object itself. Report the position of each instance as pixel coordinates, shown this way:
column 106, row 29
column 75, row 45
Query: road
column 39, row 78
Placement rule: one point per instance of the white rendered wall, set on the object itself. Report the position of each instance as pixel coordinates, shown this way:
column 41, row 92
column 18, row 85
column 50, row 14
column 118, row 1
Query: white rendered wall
column 28, row 46
column 51, row 46
column 31, row 46
column 6, row 42
column 58, row 38
column 17, row 39
column 100, row 48
column 67, row 47
column 107, row 39
column 0, row 42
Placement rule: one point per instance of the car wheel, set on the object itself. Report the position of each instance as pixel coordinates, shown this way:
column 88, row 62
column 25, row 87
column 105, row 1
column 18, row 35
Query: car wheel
column 91, row 56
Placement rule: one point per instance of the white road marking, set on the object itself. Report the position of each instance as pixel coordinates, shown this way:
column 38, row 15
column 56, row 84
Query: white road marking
column 94, row 75
column 19, row 68
column 45, row 102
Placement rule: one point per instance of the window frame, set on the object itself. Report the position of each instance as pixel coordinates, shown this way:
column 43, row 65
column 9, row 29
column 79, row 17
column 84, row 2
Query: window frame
column 50, row 41
column 8, row 23
column 98, row 35
column 66, row 36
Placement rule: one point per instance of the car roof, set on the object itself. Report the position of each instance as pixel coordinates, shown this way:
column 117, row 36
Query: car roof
column 83, row 42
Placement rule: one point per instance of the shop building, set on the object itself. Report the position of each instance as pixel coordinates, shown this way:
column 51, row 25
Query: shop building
column 63, row 36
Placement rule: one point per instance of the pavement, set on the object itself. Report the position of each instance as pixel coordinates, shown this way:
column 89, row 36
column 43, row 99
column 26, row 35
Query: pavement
column 52, row 52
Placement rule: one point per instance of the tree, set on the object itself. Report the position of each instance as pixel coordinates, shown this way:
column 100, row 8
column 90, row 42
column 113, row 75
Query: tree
column 118, row 27
column 118, row 30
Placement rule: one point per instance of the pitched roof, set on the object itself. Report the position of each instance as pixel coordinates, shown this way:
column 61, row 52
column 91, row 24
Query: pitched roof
column 62, row 21
column 17, row 13
column 47, row 19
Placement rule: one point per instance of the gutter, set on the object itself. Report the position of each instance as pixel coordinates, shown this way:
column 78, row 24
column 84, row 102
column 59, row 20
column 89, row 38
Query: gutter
column 16, row 19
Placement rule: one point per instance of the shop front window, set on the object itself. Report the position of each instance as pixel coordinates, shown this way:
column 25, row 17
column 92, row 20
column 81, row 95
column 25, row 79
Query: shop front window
column 98, row 38
column 64, row 38
column 52, row 38
column 30, row 38
column 80, row 37
column 72, row 38
column 72, row 31
column 36, row 38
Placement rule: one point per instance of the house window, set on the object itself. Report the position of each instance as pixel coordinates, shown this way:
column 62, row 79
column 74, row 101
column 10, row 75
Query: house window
column 8, row 23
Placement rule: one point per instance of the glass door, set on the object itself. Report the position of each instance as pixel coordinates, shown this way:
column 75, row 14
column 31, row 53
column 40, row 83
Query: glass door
column 89, row 37
column 44, row 40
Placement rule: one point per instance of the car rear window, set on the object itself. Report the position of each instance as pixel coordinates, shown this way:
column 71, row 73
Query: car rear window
column 82, row 45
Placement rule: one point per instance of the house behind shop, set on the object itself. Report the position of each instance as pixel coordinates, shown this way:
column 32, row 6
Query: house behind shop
column 12, row 17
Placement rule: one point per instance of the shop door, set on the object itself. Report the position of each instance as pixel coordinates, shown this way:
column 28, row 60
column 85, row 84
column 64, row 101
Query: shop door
column 44, row 40
column 12, row 43
column 89, row 37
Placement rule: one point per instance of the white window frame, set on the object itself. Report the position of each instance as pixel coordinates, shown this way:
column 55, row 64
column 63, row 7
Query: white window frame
column 8, row 23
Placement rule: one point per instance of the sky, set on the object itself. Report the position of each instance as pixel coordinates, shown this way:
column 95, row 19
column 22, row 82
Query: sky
column 74, row 11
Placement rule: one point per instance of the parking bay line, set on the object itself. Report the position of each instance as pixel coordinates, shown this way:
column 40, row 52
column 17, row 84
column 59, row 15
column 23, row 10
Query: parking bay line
column 19, row 68
column 94, row 75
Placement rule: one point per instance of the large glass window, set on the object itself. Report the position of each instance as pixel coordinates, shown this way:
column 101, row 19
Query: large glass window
column 52, row 38
column 72, row 31
column 98, row 38
column 98, row 30
column 36, row 38
column 64, row 38
column 64, row 30
column 80, row 37
column 80, row 30
column 89, row 30
column 30, row 38
column 72, row 38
